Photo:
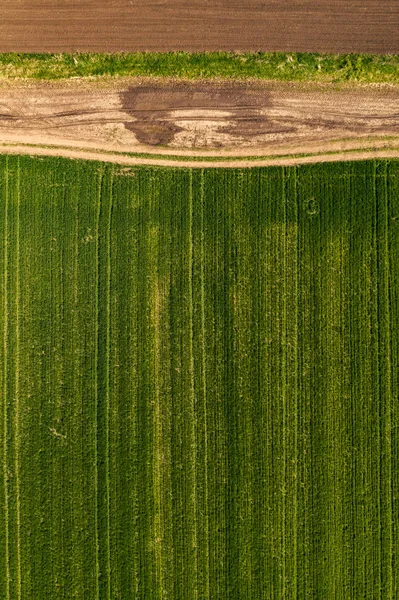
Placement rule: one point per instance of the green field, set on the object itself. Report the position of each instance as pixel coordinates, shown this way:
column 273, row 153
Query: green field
column 283, row 66
column 200, row 377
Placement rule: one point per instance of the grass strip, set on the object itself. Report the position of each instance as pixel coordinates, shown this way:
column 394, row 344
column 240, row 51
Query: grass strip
column 294, row 66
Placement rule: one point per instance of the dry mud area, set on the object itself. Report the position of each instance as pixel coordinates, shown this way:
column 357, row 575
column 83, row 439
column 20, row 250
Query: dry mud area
column 239, row 118
column 197, row 25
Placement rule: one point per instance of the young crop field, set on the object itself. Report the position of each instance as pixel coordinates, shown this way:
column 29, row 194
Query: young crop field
column 199, row 374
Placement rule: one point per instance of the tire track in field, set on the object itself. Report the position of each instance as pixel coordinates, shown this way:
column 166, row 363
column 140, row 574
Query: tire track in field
column 107, row 461
column 388, row 428
column 378, row 378
column 158, row 437
column 192, row 388
column 291, row 378
column 364, row 385
column 294, row 286
column 157, row 307
column 289, row 338
column 244, row 268
column 17, row 399
column 261, row 423
column 393, row 272
column 353, row 415
column 103, row 404
column 12, row 416
column 375, row 476
column 11, row 383
column 100, row 180
column 5, row 395
column 204, row 383
column 284, row 391
column 385, row 390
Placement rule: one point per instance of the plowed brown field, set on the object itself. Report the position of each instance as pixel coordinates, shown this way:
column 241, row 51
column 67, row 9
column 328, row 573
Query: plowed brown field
column 199, row 25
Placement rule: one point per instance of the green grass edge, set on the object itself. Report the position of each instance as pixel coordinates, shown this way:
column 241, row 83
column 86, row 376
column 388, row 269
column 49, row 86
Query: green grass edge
column 318, row 67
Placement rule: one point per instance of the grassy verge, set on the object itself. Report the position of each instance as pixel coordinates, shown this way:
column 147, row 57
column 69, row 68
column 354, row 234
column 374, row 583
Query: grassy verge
column 336, row 68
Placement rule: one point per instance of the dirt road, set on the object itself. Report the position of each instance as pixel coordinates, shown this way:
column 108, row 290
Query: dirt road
column 197, row 25
column 201, row 119
column 129, row 161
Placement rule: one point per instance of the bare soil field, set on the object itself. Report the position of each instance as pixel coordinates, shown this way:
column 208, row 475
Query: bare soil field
column 199, row 25
column 199, row 119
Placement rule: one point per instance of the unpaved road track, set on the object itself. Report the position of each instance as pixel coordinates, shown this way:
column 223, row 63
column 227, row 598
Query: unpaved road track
column 168, row 25
column 130, row 161
column 222, row 119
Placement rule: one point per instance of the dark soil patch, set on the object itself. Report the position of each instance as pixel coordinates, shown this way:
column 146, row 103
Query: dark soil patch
column 151, row 107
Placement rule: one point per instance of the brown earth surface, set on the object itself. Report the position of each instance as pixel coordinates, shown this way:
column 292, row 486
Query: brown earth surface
column 218, row 119
column 170, row 25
